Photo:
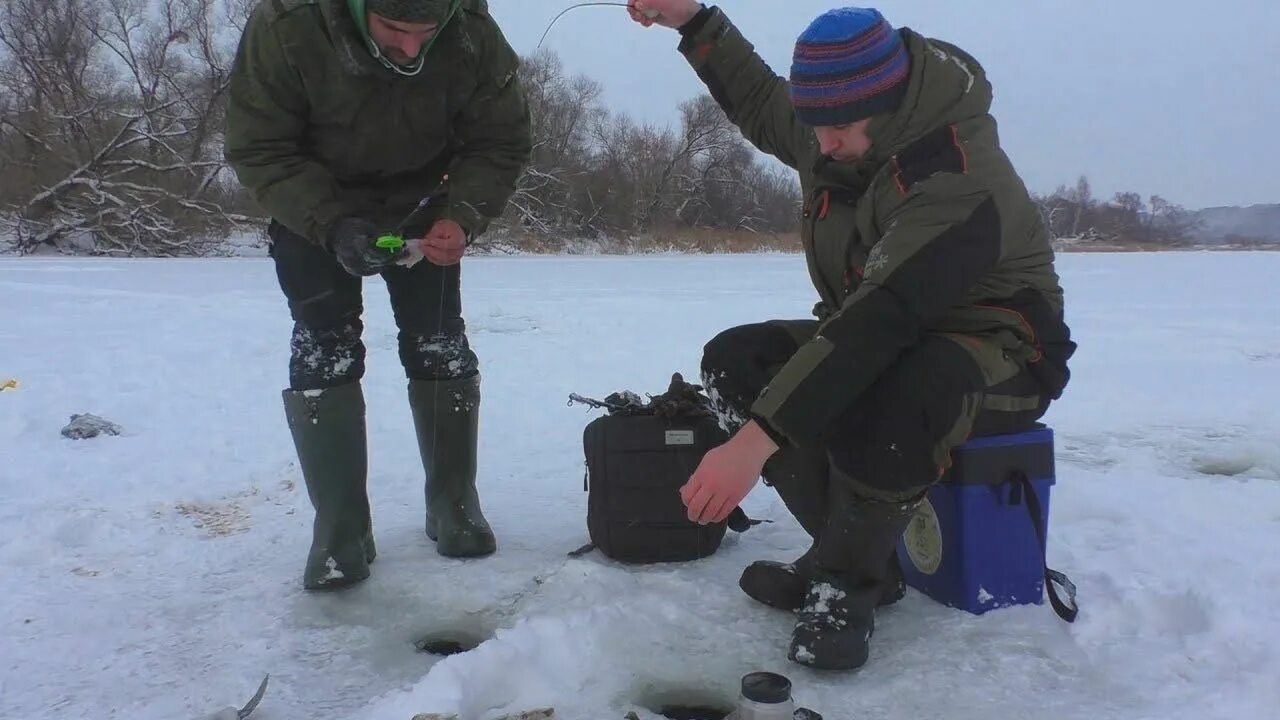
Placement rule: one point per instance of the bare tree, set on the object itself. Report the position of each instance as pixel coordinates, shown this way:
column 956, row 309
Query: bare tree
column 707, row 139
column 1171, row 223
column 120, row 142
column 1125, row 214
column 1073, row 215
column 563, row 110
column 599, row 173
column 1081, row 203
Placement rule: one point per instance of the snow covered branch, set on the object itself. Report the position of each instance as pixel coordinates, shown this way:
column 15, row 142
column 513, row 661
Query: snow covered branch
column 114, row 138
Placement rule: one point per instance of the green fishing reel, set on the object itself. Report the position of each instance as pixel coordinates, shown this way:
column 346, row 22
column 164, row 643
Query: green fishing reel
column 391, row 243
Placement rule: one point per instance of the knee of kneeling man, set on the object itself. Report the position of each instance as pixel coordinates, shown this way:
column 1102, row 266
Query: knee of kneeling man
column 743, row 345
column 718, row 351
column 726, row 366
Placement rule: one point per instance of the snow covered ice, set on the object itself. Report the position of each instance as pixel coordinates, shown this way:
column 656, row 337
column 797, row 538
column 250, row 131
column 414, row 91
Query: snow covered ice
column 156, row 575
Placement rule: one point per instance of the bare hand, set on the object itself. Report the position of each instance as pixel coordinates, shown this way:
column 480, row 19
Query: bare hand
column 445, row 244
column 726, row 475
column 670, row 13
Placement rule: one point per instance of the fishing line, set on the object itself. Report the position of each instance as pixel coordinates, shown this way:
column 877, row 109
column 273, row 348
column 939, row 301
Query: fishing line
column 394, row 241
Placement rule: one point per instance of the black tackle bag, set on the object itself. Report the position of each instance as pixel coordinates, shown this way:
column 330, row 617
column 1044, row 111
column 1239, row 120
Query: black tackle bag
column 638, row 456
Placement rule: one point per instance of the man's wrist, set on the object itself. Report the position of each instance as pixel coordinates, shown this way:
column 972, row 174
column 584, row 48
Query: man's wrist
column 696, row 21
column 757, row 442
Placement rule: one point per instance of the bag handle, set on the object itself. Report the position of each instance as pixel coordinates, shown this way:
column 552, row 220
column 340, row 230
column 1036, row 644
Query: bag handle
column 1068, row 609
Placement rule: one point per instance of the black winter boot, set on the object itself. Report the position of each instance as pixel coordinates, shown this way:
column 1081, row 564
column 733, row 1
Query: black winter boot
column 328, row 428
column 801, row 480
column 800, row 477
column 784, row 585
column 835, row 623
column 446, row 415
column 777, row 584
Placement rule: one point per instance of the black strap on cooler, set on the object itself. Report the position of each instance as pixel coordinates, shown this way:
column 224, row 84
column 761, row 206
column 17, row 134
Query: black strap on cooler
column 1052, row 578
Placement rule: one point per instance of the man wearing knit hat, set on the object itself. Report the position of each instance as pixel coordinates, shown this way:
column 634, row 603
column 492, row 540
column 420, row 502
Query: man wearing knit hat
column 940, row 313
column 349, row 120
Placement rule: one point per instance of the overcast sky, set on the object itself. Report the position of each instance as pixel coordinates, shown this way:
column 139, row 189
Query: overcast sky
column 1161, row 97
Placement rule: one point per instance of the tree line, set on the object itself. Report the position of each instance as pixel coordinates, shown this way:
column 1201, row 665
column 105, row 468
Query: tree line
column 111, row 121
column 596, row 172
column 1074, row 216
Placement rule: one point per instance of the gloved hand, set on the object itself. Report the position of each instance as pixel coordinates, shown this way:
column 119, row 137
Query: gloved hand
column 353, row 241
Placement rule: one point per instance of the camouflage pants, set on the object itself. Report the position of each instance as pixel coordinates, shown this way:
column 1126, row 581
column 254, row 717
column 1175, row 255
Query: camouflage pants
column 326, row 304
column 894, row 441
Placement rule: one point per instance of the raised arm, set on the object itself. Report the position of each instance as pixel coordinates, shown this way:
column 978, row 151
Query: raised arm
column 752, row 95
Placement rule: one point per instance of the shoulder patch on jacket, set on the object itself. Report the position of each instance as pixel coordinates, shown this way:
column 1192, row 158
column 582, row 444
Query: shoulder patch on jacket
column 939, row 151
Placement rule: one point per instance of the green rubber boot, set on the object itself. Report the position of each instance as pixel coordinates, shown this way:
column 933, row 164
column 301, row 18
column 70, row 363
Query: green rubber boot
column 328, row 428
column 446, row 415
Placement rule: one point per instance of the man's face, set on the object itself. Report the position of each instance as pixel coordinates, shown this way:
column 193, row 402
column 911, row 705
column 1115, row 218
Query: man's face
column 400, row 42
column 844, row 143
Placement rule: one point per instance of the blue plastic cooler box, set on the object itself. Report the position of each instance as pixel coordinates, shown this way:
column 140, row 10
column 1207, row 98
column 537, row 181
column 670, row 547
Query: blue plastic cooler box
column 972, row 545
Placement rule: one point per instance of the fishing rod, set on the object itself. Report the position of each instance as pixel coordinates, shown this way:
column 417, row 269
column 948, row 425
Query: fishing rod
column 651, row 14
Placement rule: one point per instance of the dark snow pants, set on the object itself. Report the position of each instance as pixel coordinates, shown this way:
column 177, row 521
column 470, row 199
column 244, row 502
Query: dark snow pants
column 326, row 303
column 896, row 439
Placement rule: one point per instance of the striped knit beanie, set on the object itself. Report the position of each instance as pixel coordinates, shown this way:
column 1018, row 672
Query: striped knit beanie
column 849, row 64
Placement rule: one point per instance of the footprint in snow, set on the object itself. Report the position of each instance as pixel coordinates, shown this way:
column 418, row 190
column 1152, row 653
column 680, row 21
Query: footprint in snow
column 1093, row 452
column 231, row 515
column 500, row 323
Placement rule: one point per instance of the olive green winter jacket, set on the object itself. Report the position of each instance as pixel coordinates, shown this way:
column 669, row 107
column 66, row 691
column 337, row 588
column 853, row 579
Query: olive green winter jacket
column 318, row 129
column 932, row 233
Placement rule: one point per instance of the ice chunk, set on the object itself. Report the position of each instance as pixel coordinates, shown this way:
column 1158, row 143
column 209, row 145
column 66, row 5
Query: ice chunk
column 89, row 426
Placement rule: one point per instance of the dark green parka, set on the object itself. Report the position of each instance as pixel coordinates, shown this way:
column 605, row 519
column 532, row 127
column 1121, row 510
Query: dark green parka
column 317, row 128
column 932, row 233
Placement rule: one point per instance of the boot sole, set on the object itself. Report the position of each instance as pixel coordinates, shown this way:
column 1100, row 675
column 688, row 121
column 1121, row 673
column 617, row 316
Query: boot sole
column 336, row 585
column 463, row 550
column 854, row 664
column 348, row 580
